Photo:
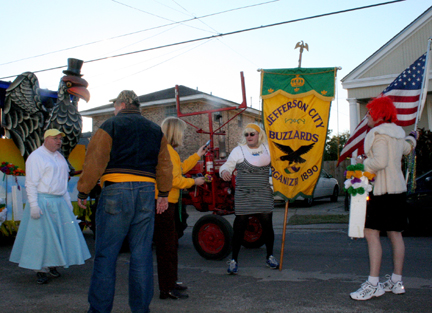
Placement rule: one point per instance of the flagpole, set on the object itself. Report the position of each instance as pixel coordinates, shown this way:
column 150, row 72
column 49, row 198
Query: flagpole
column 425, row 82
column 283, row 236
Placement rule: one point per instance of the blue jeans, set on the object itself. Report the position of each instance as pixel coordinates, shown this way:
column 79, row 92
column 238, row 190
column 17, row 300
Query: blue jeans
column 124, row 210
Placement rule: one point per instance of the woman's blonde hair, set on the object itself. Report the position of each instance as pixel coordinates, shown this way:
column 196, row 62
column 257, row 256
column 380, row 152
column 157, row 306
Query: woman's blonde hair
column 261, row 133
column 173, row 129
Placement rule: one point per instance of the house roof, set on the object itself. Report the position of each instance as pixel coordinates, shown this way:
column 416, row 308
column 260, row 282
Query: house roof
column 167, row 97
column 385, row 64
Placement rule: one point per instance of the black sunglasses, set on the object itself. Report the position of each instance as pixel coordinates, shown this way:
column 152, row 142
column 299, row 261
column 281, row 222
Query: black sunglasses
column 249, row 134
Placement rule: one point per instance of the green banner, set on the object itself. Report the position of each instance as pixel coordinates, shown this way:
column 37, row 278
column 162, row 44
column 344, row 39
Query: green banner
column 299, row 82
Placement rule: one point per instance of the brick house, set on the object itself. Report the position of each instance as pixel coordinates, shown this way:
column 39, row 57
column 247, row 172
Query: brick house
column 158, row 105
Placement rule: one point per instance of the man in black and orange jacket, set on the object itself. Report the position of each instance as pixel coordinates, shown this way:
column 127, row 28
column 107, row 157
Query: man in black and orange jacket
column 129, row 155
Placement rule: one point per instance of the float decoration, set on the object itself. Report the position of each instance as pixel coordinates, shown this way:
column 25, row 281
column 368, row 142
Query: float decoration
column 10, row 169
column 3, row 211
column 6, row 227
column 358, row 187
column 358, row 180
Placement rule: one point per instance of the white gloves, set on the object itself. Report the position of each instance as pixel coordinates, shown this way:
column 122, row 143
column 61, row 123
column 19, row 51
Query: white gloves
column 35, row 212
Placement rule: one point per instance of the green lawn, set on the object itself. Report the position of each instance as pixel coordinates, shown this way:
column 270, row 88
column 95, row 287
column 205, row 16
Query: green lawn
column 318, row 219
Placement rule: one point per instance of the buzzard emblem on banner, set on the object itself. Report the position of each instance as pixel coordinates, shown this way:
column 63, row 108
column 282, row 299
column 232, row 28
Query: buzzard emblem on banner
column 294, row 158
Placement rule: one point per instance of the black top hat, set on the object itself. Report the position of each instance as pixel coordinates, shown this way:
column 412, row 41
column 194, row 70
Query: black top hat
column 74, row 67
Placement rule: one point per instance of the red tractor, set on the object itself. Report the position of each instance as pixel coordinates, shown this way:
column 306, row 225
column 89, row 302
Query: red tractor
column 212, row 234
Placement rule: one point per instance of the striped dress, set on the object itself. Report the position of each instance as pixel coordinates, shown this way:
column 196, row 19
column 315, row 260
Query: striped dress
column 253, row 193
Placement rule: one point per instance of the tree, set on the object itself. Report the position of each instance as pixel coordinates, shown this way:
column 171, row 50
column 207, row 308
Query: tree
column 334, row 145
column 424, row 151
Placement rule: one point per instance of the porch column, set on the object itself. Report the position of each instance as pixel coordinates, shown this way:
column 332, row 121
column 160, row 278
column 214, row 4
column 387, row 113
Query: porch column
column 353, row 110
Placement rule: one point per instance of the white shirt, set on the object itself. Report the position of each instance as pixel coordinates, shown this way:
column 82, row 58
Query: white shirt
column 46, row 172
column 256, row 157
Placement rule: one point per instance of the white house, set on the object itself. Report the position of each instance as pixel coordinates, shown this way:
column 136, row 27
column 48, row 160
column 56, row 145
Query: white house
column 374, row 74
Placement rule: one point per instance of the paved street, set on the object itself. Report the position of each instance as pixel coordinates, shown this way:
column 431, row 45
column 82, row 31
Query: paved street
column 321, row 267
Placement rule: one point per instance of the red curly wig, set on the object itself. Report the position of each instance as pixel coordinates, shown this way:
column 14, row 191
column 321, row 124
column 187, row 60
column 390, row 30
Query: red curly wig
column 384, row 108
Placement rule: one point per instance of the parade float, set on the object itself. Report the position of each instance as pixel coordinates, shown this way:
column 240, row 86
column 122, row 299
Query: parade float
column 26, row 112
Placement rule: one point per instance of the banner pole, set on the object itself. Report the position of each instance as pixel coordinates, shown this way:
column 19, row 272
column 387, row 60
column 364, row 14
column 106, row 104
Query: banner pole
column 283, row 236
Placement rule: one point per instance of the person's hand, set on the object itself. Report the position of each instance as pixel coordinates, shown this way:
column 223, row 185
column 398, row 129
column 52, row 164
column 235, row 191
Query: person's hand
column 161, row 205
column 82, row 203
column 414, row 134
column 226, row 176
column 199, row 181
column 203, row 150
column 35, row 212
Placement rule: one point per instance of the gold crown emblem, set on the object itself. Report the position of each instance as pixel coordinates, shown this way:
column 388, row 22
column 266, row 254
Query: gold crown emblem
column 297, row 81
column 270, row 90
column 324, row 92
column 296, row 89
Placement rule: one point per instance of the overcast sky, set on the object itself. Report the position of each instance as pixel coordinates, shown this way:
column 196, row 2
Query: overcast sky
column 95, row 29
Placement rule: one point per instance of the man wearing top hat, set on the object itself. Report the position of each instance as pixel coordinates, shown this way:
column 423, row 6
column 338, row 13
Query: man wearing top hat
column 49, row 235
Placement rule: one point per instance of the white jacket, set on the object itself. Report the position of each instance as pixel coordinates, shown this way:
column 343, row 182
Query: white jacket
column 384, row 146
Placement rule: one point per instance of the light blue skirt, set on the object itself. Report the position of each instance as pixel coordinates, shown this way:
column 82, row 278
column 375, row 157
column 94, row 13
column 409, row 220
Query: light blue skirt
column 55, row 239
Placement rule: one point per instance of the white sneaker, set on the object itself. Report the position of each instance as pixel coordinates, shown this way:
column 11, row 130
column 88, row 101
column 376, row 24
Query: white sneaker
column 272, row 263
column 232, row 267
column 367, row 291
column 397, row 288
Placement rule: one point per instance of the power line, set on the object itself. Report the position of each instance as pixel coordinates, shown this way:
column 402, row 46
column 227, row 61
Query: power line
column 226, row 34
column 139, row 31
column 164, row 61
column 152, row 14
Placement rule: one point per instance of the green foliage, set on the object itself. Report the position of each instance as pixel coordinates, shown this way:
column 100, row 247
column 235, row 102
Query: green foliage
column 334, row 145
column 298, row 219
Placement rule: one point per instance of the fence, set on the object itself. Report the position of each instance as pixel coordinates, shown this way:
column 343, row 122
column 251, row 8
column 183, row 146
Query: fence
column 337, row 172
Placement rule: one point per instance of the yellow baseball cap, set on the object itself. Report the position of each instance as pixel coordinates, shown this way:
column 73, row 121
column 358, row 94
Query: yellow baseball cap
column 53, row 132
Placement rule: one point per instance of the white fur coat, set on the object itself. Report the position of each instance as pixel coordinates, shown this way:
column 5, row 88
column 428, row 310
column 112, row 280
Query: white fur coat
column 384, row 146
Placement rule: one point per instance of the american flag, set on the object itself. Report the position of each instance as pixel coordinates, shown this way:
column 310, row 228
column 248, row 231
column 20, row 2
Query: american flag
column 405, row 92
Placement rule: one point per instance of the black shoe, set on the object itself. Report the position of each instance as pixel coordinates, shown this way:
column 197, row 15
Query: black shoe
column 173, row 294
column 180, row 287
column 41, row 278
column 53, row 272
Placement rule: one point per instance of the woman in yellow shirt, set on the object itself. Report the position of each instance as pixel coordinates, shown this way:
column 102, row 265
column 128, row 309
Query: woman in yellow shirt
column 165, row 235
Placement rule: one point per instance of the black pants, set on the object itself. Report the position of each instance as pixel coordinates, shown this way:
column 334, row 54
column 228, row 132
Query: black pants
column 166, row 243
column 240, row 225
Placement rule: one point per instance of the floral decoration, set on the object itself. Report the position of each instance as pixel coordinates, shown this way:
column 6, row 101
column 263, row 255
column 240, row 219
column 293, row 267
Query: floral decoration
column 10, row 169
column 358, row 181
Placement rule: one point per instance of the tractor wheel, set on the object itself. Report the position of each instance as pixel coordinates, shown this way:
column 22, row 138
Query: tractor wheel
column 211, row 236
column 253, row 237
